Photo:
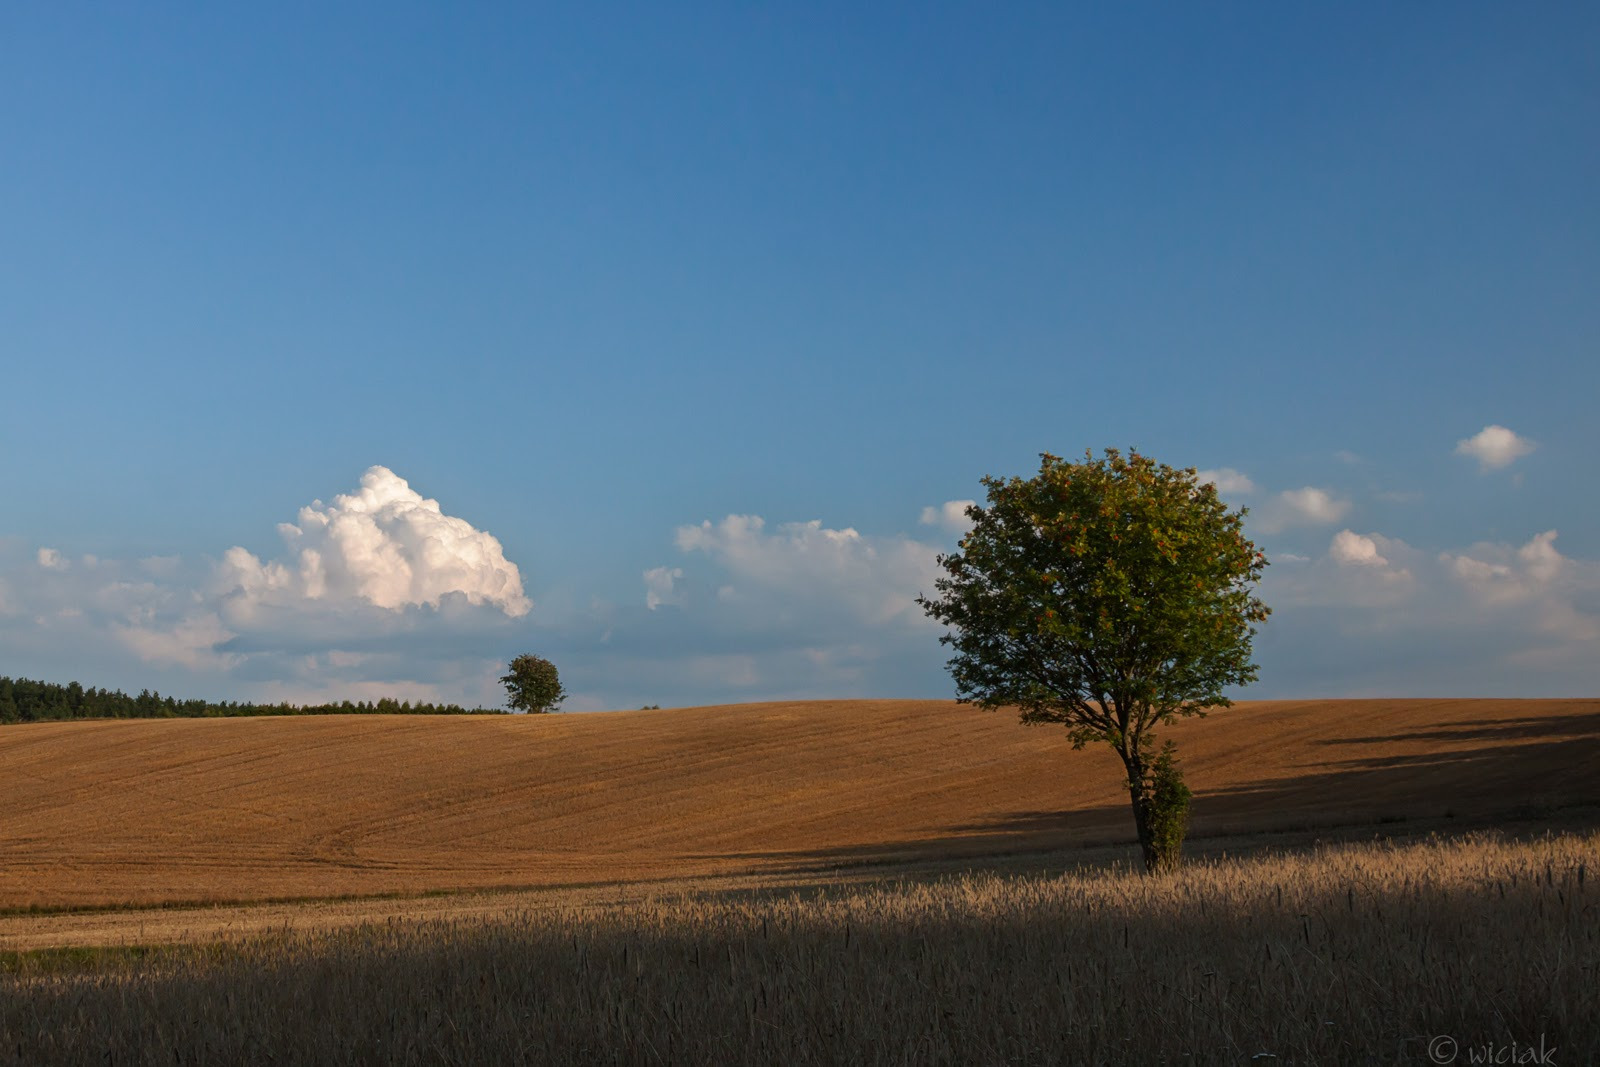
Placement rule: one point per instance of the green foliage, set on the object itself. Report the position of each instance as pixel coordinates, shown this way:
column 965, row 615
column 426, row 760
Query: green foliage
column 1166, row 802
column 25, row 700
column 1105, row 595
column 532, row 685
column 1111, row 596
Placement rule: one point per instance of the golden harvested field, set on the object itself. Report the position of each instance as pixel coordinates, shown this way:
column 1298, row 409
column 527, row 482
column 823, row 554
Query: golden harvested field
column 158, row 811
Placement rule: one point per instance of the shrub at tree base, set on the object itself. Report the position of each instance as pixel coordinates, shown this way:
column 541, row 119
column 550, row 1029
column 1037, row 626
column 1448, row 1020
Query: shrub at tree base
column 1166, row 800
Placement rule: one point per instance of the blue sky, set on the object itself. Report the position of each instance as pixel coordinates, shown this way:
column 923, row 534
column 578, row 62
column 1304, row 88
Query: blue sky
column 596, row 281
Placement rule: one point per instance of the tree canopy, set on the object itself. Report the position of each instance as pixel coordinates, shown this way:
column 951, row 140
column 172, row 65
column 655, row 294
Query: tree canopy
column 533, row 685
column 1110, row 595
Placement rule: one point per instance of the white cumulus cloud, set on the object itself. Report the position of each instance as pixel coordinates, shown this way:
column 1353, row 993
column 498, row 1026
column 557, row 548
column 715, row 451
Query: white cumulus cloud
column 872, row 579
column 951, row 515
column 1362, row 571
column 1496, row 573
column 1492, row 618
column 1308, row 506
column 377, row 592
column 1495, row 447
column 1556, row 596
column 1351, row 548
column 1227, row 480
column 788, row 611
column 384, row 545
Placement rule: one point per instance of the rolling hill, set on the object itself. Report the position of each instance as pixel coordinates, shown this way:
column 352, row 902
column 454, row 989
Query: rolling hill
column 153, row 811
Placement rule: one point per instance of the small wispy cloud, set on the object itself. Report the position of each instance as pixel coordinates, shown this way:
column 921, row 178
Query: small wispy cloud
column 659, row 586
column 951, row 515
column 1307, row 506
column 1495, row 447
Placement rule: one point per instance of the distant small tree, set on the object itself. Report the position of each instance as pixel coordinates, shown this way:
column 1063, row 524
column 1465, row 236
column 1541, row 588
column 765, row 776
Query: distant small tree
column 1111, row 596
column 532, row 685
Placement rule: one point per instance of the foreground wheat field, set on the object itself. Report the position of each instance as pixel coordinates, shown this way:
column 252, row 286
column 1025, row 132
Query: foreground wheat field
column 1462, row 950
column 118, row 813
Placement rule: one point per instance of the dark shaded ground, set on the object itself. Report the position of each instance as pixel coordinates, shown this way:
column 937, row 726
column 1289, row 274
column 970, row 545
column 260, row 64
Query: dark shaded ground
column 1451, row 788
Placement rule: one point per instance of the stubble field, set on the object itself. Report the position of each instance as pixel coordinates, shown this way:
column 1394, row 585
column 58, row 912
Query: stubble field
column 864, row 881
column 152, row 812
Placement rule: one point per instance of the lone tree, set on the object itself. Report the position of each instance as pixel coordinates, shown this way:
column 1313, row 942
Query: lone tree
column 533, row 685
column 1112, row 596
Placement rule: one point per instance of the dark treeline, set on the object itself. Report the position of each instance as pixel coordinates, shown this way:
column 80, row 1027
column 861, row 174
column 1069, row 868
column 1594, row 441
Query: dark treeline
column 24, row 700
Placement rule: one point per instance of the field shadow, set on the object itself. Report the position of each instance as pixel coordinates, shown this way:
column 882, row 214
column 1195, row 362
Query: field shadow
column 1529, row 726
column 1013, row 833
column 1480, row 778
column 1477, row 787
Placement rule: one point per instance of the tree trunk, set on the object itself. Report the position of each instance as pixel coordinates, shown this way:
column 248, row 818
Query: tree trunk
column 1139, row 794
